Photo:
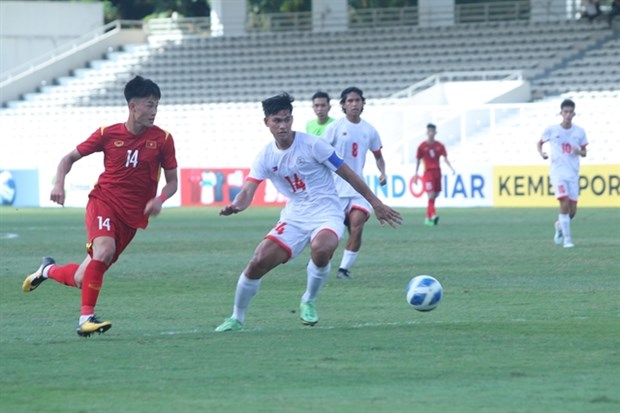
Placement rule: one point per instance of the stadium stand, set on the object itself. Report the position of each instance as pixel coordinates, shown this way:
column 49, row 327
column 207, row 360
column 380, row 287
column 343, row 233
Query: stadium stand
column 596, row 69
column 212, row 85
column 202, row 69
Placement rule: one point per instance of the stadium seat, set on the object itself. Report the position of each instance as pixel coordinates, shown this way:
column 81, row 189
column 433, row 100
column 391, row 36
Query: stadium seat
column 198, row 71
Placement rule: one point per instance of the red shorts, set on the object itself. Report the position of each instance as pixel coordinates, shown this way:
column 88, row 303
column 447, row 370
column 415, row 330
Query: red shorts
column 101, row 221
column 432, row 180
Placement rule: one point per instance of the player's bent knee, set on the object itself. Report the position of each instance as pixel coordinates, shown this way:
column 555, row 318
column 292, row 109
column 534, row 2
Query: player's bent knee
column 321, row 256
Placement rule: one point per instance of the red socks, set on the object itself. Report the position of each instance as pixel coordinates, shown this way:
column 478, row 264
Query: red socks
column 430, row 210
column 91, row 285
column 64, row 274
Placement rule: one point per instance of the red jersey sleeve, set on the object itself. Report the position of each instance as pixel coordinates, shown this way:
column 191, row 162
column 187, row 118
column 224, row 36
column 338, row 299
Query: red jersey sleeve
column 169, row 160
column 94, row 143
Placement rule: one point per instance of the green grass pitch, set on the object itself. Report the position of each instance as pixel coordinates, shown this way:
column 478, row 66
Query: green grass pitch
column 524, row 325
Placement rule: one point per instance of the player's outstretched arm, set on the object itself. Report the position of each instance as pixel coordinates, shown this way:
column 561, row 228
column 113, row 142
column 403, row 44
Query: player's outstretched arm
column 242, row 200
column 384, row 213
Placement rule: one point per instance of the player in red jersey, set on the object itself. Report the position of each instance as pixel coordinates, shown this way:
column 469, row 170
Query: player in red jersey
column 431, row 152
column 122, row 200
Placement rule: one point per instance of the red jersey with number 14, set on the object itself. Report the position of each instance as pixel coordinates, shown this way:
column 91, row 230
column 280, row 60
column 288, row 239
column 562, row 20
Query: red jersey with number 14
column 132, row 168
column 431, row 153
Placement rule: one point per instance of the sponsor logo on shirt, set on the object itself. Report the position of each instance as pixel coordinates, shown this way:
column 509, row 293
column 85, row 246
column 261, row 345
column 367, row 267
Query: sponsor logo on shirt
column 118, row 144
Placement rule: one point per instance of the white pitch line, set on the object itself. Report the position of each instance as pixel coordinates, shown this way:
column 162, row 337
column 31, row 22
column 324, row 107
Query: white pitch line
column 325, row 327
column 172, row 333
column 318, row 327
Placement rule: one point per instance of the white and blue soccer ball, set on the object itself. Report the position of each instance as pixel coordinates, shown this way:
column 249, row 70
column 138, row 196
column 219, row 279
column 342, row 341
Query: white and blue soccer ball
column 7, row 188
column 424, row 292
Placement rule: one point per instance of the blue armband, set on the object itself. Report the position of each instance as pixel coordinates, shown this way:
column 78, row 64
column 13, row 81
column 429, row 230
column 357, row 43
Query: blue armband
column 335, row 160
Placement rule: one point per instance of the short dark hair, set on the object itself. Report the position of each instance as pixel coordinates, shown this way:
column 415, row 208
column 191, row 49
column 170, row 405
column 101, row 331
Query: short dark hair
column 567, row 102
column 277, row 103
column 351, row 89
column 431, row 126
column 320, row 94
column 139, row 87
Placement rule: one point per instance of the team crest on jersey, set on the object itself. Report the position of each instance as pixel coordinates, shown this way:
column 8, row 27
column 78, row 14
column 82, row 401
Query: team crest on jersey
column 118, row 144
column 151, row 145
column 300, row 161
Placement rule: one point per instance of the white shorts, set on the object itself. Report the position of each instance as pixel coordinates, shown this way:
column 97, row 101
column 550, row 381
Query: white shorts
column 566, row 188
column 293, row 236
column 349, row 203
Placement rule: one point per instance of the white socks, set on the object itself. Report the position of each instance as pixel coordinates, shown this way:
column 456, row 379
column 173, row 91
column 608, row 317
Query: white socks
column 348, row 258
column 84, row 318
column 564, row 220
column 316, row 278
column 246, row 290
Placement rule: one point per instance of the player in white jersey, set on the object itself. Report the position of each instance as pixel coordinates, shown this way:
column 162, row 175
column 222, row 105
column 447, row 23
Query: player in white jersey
column 568, row 143
column 353, row 137
column 300, row 167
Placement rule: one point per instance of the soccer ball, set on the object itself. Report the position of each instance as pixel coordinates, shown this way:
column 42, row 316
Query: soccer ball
column 424, row 293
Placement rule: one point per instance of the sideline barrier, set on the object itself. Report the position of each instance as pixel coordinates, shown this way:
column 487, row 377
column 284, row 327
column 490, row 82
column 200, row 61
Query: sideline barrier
column 529, row 186
column 474, row 186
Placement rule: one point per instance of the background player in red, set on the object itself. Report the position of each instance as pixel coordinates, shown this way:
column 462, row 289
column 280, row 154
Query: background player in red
column 431, row 152
column 122, row 200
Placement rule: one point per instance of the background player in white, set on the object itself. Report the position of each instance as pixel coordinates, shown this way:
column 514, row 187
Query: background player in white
column 300, row 166
column 568, row 142
column 353, row 137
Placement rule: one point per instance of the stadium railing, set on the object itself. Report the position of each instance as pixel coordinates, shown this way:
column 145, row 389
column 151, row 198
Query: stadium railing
column 394, row 16
column 44, row 69
column 492, row 12
column 357, row 19
column 67, row 48
column 477, row 76
column 185, row 26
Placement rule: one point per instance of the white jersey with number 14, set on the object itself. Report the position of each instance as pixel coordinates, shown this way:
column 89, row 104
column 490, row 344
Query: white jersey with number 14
column 303, row 174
